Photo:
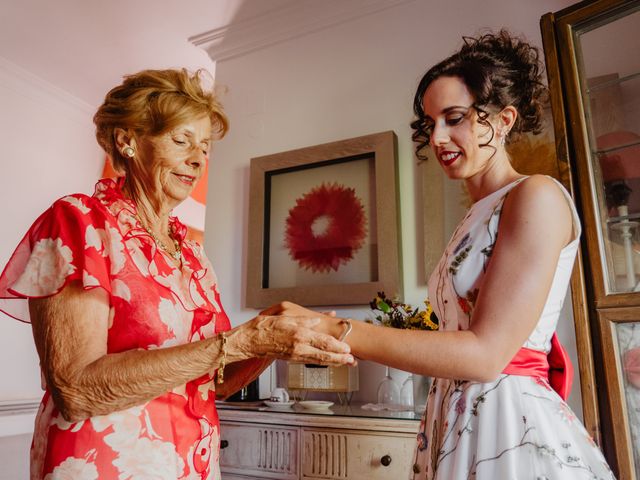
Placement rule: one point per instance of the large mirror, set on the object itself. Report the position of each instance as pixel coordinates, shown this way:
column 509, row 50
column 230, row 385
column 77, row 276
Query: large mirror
column 610, row 88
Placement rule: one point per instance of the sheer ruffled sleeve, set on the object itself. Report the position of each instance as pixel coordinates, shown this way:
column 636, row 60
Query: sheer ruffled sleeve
column 204, row 285
column 70, row 241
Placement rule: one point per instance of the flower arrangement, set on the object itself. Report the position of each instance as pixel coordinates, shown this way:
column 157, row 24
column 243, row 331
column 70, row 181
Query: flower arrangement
column 392, row 313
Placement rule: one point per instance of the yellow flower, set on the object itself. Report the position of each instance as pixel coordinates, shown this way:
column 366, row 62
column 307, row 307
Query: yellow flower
column 401, row 315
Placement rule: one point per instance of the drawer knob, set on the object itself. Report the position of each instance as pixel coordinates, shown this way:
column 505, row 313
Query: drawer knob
column 224, row 444
column 386, row 460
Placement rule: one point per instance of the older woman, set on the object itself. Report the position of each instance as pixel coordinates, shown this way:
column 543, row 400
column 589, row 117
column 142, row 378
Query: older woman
column 126, row 312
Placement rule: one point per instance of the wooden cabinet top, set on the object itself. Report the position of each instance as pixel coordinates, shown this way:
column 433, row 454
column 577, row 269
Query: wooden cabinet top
column 351, row 417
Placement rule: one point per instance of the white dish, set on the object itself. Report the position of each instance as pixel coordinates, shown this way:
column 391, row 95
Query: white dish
column 315, row 404
column 271, row 404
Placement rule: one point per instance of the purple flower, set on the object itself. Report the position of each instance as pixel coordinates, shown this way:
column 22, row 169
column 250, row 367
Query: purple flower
column 463, row 243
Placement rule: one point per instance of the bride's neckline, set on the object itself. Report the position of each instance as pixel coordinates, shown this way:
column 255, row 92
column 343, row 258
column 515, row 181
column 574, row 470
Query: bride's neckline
column 504, row 187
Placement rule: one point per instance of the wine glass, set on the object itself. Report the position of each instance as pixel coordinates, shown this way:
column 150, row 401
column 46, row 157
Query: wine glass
column 388, row 390
column 406, row 392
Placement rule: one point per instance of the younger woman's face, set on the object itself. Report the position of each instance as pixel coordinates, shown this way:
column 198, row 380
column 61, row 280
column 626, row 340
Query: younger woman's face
column 454, row 132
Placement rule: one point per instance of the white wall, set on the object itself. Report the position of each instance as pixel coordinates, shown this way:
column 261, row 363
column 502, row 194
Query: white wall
column 15, row 457
column 48, row 150
column 351, row 79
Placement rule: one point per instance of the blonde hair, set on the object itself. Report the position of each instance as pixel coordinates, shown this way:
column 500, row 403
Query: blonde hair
column 153, row 102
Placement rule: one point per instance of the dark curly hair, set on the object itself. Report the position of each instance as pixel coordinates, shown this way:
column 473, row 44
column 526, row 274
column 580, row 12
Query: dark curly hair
column 500, row 70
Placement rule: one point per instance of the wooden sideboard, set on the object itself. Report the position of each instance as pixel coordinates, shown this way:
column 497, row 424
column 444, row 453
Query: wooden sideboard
column 345, row 442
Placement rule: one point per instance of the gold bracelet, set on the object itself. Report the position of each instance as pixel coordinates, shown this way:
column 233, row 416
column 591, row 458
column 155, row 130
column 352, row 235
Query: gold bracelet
column 223, row 362
column 347, row 330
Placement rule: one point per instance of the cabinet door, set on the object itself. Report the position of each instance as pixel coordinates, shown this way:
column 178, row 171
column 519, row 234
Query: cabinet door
column 594, row 77
column 602, row 95
column 259, row 451
column 334, row 454
column 621, row 342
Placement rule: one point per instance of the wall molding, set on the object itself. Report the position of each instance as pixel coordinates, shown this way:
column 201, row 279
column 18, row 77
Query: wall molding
column 18, row 407
column 26, row 84
column 295, row 20
column 17, row 417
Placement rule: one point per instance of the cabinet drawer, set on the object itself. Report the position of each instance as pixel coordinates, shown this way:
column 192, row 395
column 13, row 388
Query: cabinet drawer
column 263, row 451
column 335, row 454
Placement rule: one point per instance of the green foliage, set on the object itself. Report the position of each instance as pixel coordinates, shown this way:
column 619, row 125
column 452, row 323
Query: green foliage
column 392, row 313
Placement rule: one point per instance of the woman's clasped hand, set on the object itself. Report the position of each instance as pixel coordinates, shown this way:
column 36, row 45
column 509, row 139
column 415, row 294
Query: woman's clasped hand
column 292, row 335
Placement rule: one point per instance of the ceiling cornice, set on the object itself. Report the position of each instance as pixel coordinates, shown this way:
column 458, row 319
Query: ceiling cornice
column 293, row 21
column 41, row 91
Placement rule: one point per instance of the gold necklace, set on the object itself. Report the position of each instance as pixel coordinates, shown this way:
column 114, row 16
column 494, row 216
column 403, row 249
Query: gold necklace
column 176, row 254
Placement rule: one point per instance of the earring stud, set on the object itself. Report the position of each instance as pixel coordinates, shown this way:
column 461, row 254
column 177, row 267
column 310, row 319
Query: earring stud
column 128, row 151
column 503, row 136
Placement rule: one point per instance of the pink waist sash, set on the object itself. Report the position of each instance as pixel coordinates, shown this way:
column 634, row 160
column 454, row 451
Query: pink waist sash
column 554, row 367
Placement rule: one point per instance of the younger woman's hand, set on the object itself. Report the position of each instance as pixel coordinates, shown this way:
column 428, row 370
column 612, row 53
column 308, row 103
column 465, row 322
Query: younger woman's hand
column 290, row 309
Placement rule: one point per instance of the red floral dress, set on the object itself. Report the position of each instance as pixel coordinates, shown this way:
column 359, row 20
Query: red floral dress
column 153, row 304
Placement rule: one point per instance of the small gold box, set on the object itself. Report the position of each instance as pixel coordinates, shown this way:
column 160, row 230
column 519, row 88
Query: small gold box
column 323, row 378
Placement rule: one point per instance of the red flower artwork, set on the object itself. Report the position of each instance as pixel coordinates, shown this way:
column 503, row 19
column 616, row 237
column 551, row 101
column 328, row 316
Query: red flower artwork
column 325, row 228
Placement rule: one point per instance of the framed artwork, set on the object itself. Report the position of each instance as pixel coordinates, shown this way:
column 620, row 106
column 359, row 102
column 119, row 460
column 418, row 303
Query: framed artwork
column 323, row 225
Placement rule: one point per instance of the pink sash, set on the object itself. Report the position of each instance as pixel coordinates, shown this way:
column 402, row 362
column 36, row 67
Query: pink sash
column 554, row 367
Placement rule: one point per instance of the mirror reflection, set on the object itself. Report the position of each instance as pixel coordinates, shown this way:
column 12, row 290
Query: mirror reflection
column 611, row 96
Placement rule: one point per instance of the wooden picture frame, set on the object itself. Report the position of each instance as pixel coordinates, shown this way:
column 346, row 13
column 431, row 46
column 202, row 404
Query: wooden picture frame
column 323, row 224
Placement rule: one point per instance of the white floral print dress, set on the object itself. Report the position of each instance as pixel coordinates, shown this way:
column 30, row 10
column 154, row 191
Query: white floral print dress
column 516, row 427
column 99, row 241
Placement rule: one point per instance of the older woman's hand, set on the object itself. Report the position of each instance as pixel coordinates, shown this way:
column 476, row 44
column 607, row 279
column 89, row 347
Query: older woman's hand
column 328, row 323
column 290, row 337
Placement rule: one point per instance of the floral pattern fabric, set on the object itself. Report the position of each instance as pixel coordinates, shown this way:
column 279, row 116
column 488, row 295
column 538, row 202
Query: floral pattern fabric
column 515, row 427
column 100, row 242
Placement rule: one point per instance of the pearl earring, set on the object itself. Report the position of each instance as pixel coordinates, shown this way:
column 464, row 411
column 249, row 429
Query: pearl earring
column 503, row 136
column 128, row 151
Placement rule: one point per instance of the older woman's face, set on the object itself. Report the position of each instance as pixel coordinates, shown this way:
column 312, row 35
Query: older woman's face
column 171, row 163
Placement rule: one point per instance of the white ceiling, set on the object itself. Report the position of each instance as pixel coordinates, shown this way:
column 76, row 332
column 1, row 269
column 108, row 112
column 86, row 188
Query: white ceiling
column 85, row 46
